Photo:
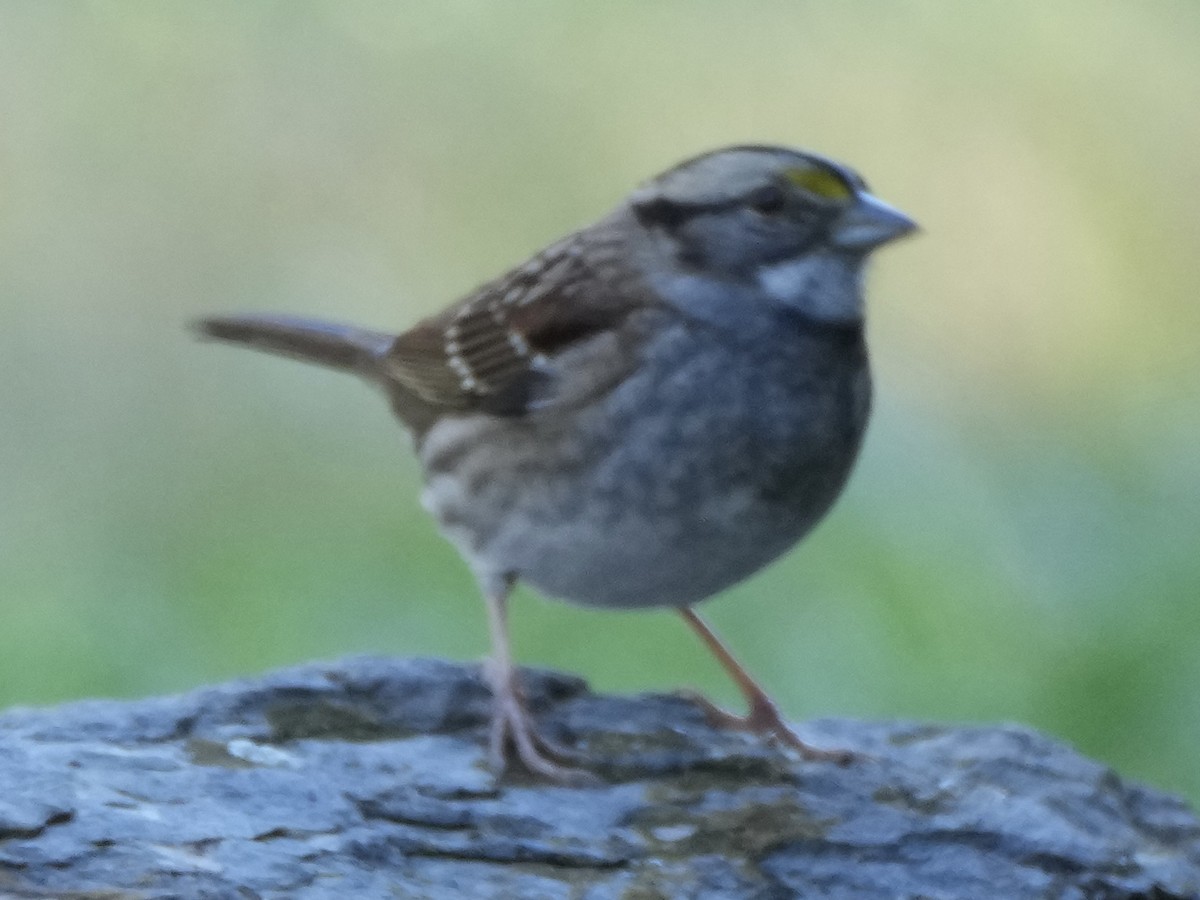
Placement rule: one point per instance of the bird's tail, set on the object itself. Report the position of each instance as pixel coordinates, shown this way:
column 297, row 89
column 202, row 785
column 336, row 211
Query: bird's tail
column 327, row 343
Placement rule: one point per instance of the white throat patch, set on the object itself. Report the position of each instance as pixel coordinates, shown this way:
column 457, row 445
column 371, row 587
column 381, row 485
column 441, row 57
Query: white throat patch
column 825, row 286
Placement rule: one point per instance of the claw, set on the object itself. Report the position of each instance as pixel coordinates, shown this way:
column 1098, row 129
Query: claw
column 764, row 719
column 513, row 729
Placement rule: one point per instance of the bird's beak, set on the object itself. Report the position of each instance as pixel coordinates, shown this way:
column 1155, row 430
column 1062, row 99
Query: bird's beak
column 868, row 223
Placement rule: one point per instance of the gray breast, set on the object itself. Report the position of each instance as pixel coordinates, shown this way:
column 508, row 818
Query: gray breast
column 703, row 466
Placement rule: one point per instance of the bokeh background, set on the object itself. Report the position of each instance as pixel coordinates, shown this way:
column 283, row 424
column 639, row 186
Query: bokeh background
column 1021, row 541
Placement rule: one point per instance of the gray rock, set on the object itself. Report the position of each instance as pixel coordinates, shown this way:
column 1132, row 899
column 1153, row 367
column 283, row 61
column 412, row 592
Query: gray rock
column 365, row 779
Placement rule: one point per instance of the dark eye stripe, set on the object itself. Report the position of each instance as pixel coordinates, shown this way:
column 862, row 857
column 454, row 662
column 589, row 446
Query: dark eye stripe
column 673, row 213
column 768, row 199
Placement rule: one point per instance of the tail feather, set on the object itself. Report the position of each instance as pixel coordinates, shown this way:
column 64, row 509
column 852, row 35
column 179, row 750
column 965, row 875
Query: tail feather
column 326, row 343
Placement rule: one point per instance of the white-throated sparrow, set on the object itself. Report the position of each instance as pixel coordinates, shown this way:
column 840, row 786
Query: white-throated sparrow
column 646, row 412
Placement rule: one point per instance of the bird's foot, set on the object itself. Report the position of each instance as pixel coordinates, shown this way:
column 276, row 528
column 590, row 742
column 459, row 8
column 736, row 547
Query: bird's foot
column 764, row 719
column 514, row 734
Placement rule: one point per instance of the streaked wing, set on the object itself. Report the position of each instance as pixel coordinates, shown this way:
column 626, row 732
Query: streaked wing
column 494, row 350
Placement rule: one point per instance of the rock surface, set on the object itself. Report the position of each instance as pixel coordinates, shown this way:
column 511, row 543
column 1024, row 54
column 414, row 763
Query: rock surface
column 365, row 779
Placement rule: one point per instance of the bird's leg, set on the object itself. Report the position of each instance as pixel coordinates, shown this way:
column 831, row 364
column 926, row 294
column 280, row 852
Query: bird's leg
column 512, row 724
column 763, row 716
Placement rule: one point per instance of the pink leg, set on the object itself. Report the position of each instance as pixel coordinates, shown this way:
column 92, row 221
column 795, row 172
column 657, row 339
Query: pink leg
column 763, row 717
column 512, row 725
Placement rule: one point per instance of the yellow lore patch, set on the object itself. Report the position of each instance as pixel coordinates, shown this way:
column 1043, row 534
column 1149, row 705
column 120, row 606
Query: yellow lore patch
column 821, row 182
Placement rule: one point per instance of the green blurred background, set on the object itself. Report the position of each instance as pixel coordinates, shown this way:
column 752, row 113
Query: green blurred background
column 1019, row 543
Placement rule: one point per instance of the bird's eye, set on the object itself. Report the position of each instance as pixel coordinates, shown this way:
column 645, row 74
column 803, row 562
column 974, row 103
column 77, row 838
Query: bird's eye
column 768, row 200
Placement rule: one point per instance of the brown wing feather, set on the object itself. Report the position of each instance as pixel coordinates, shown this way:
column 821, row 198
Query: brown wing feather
column 490, row 351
